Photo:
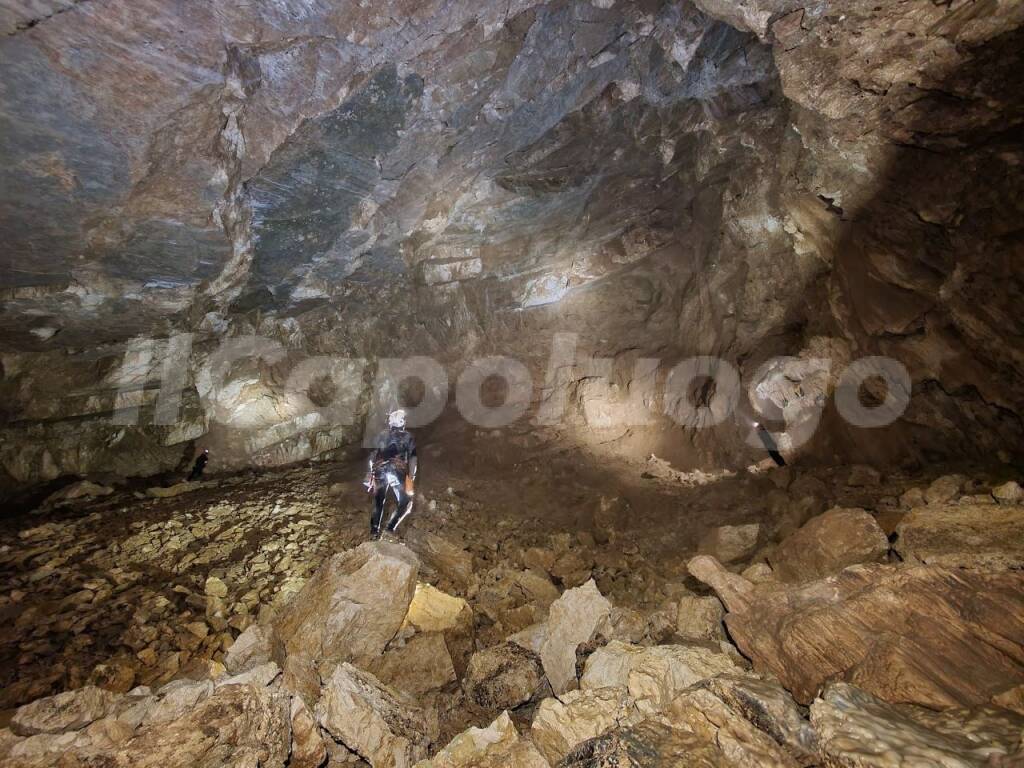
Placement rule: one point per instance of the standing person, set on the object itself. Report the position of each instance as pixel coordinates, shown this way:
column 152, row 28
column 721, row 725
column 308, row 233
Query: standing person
column 392, row 469
column 199, row 465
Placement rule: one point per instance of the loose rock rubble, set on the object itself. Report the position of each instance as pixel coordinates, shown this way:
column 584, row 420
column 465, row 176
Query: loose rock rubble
column 844, row 655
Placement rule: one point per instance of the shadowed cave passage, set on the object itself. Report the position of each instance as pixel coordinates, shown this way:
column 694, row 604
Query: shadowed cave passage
column 606, row 256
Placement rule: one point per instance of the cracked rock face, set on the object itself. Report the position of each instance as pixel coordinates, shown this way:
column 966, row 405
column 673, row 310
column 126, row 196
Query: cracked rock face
column 373, row 180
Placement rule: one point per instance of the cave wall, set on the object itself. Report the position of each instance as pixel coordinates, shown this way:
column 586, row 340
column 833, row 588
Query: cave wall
column 666, row 179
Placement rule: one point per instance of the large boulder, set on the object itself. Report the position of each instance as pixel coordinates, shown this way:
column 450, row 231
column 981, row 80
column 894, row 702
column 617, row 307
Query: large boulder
column 731, row 543
column 922, row 635
column 68, row 711
column 561, row 723
column 1008, row 493
column 984, row 536
column 375, row 722
column 573, row 620
column 735, row 592
column 513, row 600
column 238, row 726
column 699, row 619
column 827, row 544
column 419, row 665
column 944, row 489
column 251, row 649
column 449, row 561
column 497, row 746
column 503, row 677
column 349, row 610
column 770, row 708
column 434, row 611
column 858, row 730
column 654, row 675
column 308, row 749
column 735, row 739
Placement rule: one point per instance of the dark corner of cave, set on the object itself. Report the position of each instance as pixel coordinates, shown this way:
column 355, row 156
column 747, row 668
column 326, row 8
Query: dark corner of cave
column 512, row 384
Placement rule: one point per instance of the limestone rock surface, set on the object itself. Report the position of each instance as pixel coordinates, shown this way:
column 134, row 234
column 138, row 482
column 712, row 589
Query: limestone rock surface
column 572, row 620
column 827, row 544
column 980, row 536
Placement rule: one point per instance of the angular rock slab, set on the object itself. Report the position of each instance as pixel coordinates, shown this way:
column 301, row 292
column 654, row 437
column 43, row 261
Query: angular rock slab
column 563, row 723
column 770, row 708
column 499, row 745
column 921, row 635
column 373, row 721
column 68, row 711
column 653, row 676
column 983, row 536
column 349, row 610
column 858, row 730
column 572, row 620
column 731, row 543
column 239, row 726
column 828, row 543
column 421, row 665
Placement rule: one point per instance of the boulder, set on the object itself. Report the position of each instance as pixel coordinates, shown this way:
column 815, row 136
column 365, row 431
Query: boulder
column 513, row 600
column 68, row 711
column 758, row 573
column 239, row 726
column 251, row 649
column 912, row 498
column 944, row 489
column 734, row 739
column 169, row 492
column 420, row 665
column 503, row 677
column 654, row 675
column 83, row 489
column 178, row 698
column 562, row 723
column 434, row 611
column 260, row 676
column 308, row 749
column 923, row 635
column 656, row 743
column 827, row 544
column 375, row 722
column 1008, row 493
column 700, row 618
column 572, row 620
column 770, row 708
column 448, row 560
column 981, row 536
column 497, row 746
column 349, row 610
column 731, row 543
column 856, row 729
column 734, row 591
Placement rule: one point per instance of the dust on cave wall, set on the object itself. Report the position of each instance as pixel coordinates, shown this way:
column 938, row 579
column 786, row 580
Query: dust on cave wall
column 452, row 179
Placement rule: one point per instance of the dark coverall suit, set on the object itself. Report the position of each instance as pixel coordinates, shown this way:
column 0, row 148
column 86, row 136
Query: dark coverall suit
column 769, row 445
column 393, row 459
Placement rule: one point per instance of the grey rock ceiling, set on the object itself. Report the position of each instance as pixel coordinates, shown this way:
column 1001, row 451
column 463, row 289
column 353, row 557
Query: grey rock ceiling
column 727, row 176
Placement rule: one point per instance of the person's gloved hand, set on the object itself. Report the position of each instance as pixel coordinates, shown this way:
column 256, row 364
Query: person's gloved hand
column 369, row 484
column 410, row 485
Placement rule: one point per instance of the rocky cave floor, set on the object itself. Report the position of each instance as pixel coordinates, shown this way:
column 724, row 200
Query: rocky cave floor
column 145, row 598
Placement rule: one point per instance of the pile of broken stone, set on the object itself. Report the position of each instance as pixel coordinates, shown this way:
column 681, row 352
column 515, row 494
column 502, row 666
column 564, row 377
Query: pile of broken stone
column 848, row 645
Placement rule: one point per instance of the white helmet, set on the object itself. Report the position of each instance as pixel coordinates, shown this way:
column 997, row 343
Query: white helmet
column 397, row 419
